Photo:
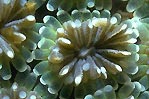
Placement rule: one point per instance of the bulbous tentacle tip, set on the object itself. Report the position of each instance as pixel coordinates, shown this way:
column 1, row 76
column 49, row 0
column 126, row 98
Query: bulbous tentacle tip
column 7, row 77
column 14, row 86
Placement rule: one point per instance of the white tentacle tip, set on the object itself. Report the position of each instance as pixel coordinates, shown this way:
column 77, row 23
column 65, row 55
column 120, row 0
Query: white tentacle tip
column 64, row 71
column 10, row 54
column 78, row 79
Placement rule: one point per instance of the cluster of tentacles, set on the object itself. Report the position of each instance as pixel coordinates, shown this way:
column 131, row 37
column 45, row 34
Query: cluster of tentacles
column 83, row 49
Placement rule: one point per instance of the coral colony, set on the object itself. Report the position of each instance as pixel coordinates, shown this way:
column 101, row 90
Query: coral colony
column 74, row 49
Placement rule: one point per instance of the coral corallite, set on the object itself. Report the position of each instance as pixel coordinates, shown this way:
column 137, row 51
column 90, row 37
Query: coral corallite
column 88, row 46
column 16, row 20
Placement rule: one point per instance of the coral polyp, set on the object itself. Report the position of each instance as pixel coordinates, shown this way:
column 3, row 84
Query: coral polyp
column 95, row 48
column 74, row 49
column 16, row 23
column 15, row 16
column 85, row 46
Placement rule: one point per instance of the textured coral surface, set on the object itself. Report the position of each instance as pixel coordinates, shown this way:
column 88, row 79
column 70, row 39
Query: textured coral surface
column 74, row 49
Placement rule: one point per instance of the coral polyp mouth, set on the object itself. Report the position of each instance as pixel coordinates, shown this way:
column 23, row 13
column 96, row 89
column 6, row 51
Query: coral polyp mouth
column 84, row 52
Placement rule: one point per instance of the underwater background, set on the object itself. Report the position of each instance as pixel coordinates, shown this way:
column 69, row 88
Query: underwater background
column 74, row 49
